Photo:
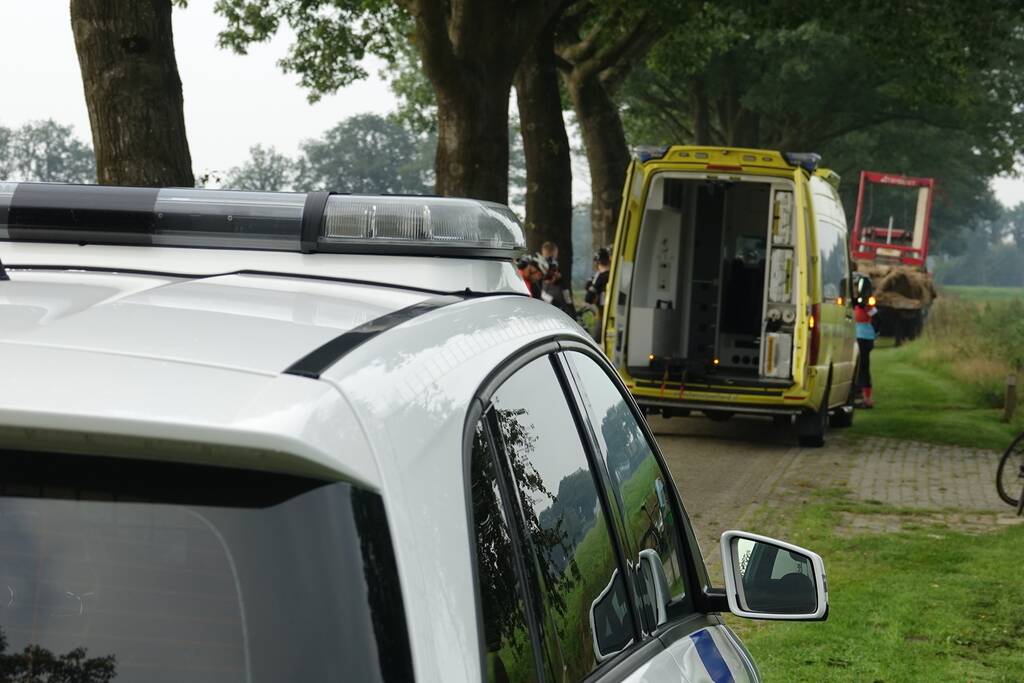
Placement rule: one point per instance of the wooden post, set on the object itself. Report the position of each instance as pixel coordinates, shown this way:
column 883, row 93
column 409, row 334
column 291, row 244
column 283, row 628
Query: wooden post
column 1010, row 404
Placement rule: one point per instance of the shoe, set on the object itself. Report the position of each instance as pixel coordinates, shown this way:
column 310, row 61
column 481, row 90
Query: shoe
column 868, row 402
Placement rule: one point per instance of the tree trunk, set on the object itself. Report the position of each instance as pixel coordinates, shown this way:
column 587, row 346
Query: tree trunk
column 470, row 50
column 701, row 113
column 546, row 147
column 607, row 151
column 133, row 92
column 472, row 139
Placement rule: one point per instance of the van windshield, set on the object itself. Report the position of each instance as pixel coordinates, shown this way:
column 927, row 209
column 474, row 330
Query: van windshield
column 126, row 570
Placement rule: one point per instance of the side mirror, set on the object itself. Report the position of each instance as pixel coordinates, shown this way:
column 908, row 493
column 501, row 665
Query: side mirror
column 656, row 584
column 770, row 579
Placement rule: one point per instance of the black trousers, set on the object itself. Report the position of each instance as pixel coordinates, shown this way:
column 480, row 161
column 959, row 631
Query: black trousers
column 864, row 365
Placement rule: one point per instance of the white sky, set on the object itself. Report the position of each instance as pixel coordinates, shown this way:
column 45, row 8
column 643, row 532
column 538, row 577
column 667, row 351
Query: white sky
column 231, row 102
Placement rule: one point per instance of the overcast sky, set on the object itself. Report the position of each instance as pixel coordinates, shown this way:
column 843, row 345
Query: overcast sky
column 231, row 102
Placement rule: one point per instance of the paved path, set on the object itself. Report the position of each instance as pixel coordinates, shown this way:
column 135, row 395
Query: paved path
column 727, row 472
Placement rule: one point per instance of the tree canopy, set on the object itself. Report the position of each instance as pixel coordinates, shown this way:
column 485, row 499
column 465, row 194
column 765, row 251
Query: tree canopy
column 366, row 153
column 925, row 88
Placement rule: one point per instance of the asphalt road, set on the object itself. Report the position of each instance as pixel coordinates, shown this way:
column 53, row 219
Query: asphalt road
column 725, row 470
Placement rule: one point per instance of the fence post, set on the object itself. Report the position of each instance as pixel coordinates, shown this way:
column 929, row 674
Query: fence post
column 1010, row 404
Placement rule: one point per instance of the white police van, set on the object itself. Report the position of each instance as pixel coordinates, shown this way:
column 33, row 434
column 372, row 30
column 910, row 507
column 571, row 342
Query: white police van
column 315, row 437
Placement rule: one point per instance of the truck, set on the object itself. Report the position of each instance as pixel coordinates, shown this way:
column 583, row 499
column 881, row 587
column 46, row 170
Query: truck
column 894, row 256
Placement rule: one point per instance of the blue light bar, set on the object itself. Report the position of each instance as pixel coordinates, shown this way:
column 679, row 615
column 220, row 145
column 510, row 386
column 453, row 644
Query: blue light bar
column 645, row 153
column 232, row 219
column 805, row 160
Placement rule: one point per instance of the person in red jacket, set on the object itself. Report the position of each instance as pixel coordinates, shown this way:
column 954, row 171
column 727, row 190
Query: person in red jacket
column 863, row 311
column 532, row 269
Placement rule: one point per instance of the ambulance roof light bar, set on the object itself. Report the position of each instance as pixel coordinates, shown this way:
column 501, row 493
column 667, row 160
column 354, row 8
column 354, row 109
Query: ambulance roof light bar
column 312, row 222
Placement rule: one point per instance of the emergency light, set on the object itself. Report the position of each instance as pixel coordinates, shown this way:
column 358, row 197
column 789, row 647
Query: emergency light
column 314, row 222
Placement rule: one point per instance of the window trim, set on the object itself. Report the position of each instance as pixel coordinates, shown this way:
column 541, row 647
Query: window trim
column 477, row 409
column 528, row 558
column 704, row 600
column 522, row 571
column 610, row 503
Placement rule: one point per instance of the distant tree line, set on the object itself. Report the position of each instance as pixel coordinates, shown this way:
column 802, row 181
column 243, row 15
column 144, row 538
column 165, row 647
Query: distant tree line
column 994, row 256
column 45, row 151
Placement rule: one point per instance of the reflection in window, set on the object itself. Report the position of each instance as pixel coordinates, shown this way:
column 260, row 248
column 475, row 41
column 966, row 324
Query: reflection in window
column 508, row 650
column 775, row 580
column 137, row 571
column 639, row 486
column 572, row 551
column 834, row 266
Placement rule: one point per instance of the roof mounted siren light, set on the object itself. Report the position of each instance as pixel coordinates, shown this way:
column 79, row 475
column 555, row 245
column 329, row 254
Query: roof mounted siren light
column 644, row 153
column 6, row 192
column 806, row 160
column 317, row 222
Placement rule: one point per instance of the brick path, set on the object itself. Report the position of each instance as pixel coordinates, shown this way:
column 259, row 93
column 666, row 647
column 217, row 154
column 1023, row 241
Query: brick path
column 729, row 472
column 917, row 475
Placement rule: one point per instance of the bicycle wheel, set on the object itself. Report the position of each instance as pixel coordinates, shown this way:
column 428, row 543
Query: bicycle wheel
column 1010, row 475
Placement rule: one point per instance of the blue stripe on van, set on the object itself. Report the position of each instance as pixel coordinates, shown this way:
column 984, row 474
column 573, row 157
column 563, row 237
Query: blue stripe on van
column 711, row 658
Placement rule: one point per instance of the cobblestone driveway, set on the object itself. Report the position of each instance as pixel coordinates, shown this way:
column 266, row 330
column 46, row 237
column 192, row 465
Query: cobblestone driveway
column 727, row 471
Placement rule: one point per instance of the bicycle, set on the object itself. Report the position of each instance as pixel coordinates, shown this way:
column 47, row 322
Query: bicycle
column 1010, row 475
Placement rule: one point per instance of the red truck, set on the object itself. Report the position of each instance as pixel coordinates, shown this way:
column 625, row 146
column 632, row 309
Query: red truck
column 894, row 256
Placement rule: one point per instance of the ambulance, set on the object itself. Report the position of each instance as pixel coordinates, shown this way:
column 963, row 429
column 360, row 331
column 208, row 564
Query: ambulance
column 730, row 288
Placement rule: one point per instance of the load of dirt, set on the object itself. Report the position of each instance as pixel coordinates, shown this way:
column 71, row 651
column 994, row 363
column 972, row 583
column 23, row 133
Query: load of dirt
column 900, row 286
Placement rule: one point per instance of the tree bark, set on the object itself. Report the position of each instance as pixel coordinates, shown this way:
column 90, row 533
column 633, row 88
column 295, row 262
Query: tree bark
column 546, row 147
column 133, row 91
column 593, row 68
column 470, row 50
column 701, row 113
column 472, row 141
column 607, row 151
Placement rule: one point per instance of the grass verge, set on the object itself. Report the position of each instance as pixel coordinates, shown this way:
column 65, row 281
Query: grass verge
column 928, row 603
column 973, row 293
column 921, row 400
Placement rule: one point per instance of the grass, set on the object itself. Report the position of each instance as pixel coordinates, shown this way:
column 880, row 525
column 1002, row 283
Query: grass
column 928, row 603
column 919, row 400
column 972, row 293
column 949, row 385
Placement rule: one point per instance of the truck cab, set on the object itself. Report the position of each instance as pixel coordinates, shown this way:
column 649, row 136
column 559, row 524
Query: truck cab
column 730, row 288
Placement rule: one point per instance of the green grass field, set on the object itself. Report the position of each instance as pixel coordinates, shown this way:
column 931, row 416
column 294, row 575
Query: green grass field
column 915, row 600
column 972, row 293
column 921, row 401
column 926, row 603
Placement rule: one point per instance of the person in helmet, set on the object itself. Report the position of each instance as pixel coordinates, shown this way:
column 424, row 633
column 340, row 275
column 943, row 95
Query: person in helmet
column 557, row 289
column 863, row 312
column 532, row 268
column 596, row 287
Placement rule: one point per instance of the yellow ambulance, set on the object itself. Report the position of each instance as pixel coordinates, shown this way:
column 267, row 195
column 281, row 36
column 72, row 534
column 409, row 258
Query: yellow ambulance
column 730, row 288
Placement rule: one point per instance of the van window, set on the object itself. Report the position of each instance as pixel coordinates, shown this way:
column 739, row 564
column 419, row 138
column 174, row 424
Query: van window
column 640, row 486
column 833, row 258
column 588, row 616
column 508, row 648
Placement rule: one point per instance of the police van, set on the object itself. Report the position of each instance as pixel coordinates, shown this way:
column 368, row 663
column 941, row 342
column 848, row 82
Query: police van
column 730, row 288
column 318, row 437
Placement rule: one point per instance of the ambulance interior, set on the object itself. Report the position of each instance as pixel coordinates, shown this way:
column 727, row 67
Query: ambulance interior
column 712, row 289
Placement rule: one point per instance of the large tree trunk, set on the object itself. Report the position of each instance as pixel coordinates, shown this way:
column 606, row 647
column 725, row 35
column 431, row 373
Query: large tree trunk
column 546, row 147
column 470, row 51
column 607, row 151
column 472, row 140
column 133, row 92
